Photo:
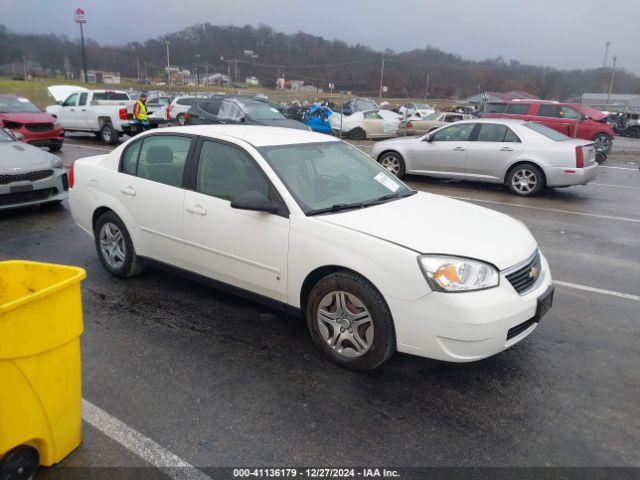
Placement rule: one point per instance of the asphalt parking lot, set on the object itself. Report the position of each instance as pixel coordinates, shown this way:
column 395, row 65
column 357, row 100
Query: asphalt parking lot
column 175, row 371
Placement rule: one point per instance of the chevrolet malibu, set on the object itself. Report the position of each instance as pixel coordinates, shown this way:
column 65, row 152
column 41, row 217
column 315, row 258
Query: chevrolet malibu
column 526, row 156
column 308, row 223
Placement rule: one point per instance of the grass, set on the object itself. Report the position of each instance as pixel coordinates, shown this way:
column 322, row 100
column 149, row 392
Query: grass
column 36, row 91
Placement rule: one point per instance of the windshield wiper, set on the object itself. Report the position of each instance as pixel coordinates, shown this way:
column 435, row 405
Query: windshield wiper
column 390, row 196
column 350, row 206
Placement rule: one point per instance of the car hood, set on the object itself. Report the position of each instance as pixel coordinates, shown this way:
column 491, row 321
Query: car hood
column 61, row 92
column 284, row 122
column 429, row 223
column 16, row 157
column 40, row 117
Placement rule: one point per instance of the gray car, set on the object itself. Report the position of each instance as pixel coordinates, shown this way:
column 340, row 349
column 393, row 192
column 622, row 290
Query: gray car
column 526, row 156
column 29, row 175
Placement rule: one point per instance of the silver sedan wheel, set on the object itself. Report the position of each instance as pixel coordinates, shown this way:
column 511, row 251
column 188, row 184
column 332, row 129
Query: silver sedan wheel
column 391, row 163
column 112, row 245
column 524, row 181
column 345, row 324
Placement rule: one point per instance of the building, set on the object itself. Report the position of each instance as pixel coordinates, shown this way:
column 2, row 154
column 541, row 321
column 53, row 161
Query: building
column 493, row 97
column 622, row 101
column 99, row 76
column 252, row 81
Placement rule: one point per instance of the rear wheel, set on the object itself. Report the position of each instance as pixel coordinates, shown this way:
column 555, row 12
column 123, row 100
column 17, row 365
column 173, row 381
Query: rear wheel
column 56, row 147
column 114, row 246
column 21, row 463
column 394, row 163
column 350, row 321
column 601, row 157
column 525, row 179
column 358, row 134
column 181, row 119
column 108, row 134
column 603, row 142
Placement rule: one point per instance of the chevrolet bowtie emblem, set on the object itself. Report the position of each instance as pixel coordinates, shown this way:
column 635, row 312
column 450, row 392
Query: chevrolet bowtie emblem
column 534, row 272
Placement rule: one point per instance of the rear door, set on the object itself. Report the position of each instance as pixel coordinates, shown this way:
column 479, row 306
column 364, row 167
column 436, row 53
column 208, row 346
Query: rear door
column 494, row 148
column 446, row 154
column 151, row 189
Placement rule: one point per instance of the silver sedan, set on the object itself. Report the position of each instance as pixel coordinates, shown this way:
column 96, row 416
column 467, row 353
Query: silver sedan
column 29, row 175
column 526, row 156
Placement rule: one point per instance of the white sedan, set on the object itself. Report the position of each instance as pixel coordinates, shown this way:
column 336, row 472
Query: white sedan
column 526, row 156
column 308, row 223
column 368, row 124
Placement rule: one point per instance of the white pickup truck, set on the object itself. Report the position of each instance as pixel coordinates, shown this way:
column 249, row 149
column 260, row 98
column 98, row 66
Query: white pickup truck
column 107, row 113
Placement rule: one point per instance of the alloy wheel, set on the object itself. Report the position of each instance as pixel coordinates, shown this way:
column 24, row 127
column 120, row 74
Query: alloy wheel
column 524, row 181
column 392, row 164
column 345, row 324
column 603, row 142
column 112, row 245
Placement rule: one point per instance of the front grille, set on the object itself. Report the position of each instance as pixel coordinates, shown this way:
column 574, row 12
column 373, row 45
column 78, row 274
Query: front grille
column 524, row 278
column 25, row 197
column 518, row 329
column 39, row 127
column 28, row 176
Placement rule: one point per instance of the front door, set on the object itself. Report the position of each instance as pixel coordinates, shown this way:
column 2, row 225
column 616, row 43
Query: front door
column 243, row 248
column 446, row 154
column 495, row 148
column 68, row 112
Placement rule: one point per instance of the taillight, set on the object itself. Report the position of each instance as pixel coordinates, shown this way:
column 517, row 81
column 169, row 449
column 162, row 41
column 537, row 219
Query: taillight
column 72, row 176
column 579, row 157
column 410, row 125
column 187, row 117
column 169, row 112
column 122, row 113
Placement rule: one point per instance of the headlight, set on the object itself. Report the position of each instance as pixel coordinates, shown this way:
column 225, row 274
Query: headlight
column 456, row 274
column 56, row 162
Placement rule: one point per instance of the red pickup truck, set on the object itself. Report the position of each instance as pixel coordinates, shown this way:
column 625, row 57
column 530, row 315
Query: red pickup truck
column 573, row 120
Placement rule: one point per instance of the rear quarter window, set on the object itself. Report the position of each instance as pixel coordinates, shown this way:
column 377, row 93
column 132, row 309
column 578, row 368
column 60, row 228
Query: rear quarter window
column 518, row 108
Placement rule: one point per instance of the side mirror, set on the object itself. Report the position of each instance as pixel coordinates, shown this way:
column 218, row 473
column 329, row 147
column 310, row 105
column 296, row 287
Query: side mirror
column 254, row 201
column 428, row 137
column 584, row 118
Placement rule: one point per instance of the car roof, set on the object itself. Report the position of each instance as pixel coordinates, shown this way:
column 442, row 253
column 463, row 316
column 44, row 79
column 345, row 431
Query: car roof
column 503, row 121
column 8, row 95
column 256, row 135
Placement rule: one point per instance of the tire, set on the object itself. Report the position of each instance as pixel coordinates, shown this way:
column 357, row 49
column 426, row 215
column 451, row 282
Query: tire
column 55, row 148
column 362, row 346
column 114, row 247
column 525, row 179
column 394, row 163
column 358, row 134
column 108, row 134
column 180, row 119
column 20, row 463
column 601, row 157
column 603, row 142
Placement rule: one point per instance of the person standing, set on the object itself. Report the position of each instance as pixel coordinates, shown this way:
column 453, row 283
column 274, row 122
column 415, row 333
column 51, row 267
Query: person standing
column 140, row 112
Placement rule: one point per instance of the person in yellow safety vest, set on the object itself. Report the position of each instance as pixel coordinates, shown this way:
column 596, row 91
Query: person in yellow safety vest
column 140, row 112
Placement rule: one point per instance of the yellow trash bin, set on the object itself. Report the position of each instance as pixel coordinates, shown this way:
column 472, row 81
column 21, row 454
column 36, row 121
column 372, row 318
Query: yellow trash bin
column 40, row 385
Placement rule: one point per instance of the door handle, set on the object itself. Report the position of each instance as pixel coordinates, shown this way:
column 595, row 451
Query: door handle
column 84, row 109
column 128, row 190
column 459, row 149
column 72, row 109
column 506, row 149
column 196, row 209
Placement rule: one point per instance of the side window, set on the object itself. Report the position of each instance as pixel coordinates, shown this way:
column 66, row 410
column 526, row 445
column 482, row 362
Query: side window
column 372, row 116
column 511, row 137
column 71, row 100
column 162, row 158
column 212, row 108
column 518, row 108
column 225, row 171
column 491, row 132
column 452, row 118
column 547, row 110
column 83, row 99
column 454, row 133
column 130, row 158
column 570, row 113
column 230, row 110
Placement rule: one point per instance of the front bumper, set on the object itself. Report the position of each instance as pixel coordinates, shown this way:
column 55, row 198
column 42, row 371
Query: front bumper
column 566, row 177
column 25, row 193
column 464, row 327
column 50, row 138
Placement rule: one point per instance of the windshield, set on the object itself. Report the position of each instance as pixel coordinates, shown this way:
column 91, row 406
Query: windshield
column 423, row 106
column 431, row 116
column 331, row 175
column 261, row 111
column 547, row 132
column 5, row 137
column 17, row 105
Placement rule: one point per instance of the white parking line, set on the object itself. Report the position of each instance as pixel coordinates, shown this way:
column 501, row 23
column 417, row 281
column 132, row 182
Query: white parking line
column 556, row 210
column 77, row 145
column 585, row 288
column 617, row 168
column 615, row 186
column 145, row 448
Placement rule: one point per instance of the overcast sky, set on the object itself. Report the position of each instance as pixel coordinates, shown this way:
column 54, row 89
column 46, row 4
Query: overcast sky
column 559, row 33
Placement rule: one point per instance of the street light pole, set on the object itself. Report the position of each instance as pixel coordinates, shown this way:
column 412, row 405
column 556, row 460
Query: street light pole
column 81, row 18
column 613, row 76
column 381, row 78
column 168, row 65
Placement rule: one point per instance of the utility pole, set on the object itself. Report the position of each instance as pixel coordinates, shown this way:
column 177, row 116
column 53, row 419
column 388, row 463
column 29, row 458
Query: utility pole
column 606, row 54
column 613, row 76
column 229, row 75
column 24, row 66
column 168, row 65
column 81, row 19
column 381, row 77
column 426, row 90
column 236, row 70
column 197, row 57
column 138, row 64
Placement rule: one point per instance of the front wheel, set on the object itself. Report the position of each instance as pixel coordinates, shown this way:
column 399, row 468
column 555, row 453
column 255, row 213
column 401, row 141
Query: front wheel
column 525, row 180
column 114, row 246
column 181, row 120
column 358, row 134
column 603, row 142
column 394, row 163
column 20, row 463
column 108, row 134
column 350, row 321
